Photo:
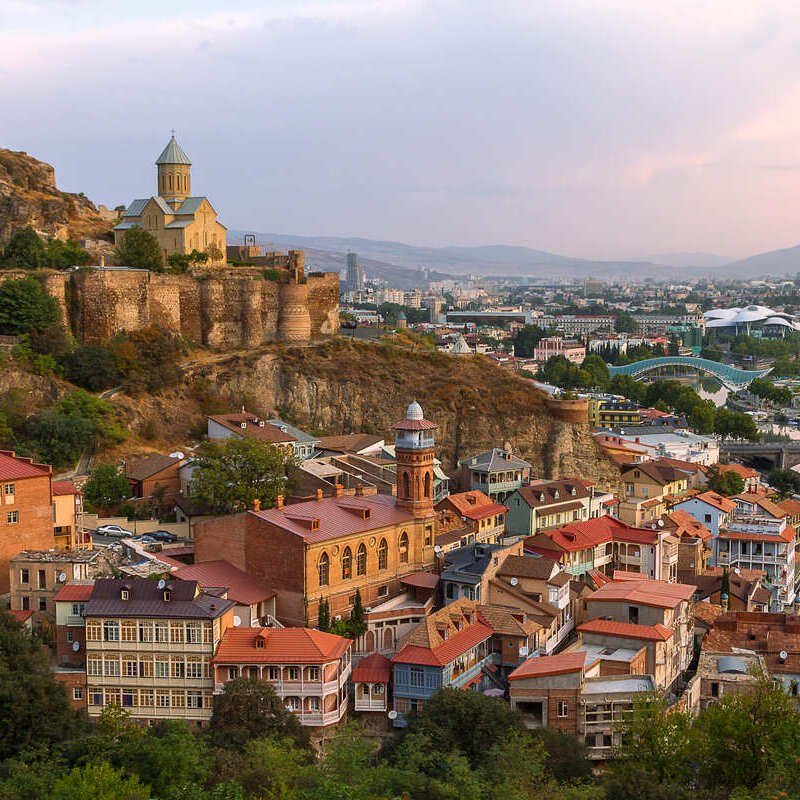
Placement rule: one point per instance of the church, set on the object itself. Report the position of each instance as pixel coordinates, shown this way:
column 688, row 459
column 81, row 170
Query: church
column 179, row 221
column 326, row 548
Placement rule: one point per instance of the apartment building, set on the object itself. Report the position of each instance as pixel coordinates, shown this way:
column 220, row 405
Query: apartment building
column 476, row 509
column 552, row 346
column 149, row 646
column 308, row 669
column 547, row 504
column 497, row 473
column 648, row 488
column 711, row 509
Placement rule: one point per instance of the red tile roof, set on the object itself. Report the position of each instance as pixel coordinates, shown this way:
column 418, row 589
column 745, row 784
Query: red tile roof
column 444, row 653
column 627, row 630
column 716, row 501
column 598, row 577
column 414, row 425
column 372, row 669
column 336, row 516
column 74, row 593
column 21, row 616
column 592, row 532
column 473, row 505
column 682, row 522
column 254, row 428
column 739, row 469
column 241, row 587
column 13, row 467
column 773, row 509
column 424, row 580
column 787, row 535
column 790, row 506
column 64, row 487
column 540, row 667
column 281, row 646
column 645, row 592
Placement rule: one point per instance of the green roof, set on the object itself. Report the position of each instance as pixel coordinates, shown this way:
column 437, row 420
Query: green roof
column 173, row 154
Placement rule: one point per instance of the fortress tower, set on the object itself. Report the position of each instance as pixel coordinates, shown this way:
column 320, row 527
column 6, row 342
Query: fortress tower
column 174, row 174
column 413, row 447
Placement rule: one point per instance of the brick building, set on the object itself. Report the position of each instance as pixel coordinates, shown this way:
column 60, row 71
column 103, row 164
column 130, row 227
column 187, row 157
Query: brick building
column 26, row 516
column 154, row 473
column 332, row 546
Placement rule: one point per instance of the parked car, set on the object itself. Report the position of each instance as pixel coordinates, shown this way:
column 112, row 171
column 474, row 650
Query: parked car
column 163, row 536
column 114, row 530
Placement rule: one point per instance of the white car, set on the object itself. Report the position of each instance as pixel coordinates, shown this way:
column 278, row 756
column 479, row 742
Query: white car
column 114, row 530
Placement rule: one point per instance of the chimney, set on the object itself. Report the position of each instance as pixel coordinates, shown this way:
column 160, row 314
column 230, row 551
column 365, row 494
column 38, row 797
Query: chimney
column 320, row 494
column 279, row 501
column 359, row 490
column 338, row 488
column 256, row 505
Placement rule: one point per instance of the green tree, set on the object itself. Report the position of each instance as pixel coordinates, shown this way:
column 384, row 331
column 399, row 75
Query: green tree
column 25, row 307
column 139, row 248
column 148, row 359
column 53, row 340
column 231, row 474
column 24, row 250
column 92, row 367
column 625, row 323
column 712, row 352
column 628, row 387
column 597, row 370
column 358, row 625
column 55, row 438
column 273, row 768
column 702, row 417
column 526, row 340
column 99, row 782
column 34, row 708
column 106, row 487
column 785, row 481
column 725, row 482
column 324, row 615
column 250, row 709
column 60, row 255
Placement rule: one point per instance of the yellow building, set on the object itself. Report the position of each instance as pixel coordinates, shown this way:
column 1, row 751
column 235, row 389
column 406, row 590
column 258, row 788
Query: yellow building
column 180, row 222
column 648, row 486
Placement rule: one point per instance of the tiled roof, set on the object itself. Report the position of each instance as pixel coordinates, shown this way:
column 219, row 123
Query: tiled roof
column 147, row 600
column 682, row 522
column 254, row 429
column 658, row 594
column 773, row 509
column 544, row 666
column 423, row 580
column 13, row 467
column 790, row 506
column 452, row 647
column 74, row 593
column 717, row 501
column 241, row 587
column 598, row 578
column 474, row 504
column 20, row 616
column 786, row 535
column 659, row 471
column 335, row 516
column 549, row 493
column 64, row 488
column 528, row 567
column 280, row 646
column 627, row 630
column 706, row 613
column 414, row 425
column 589, row 533
column 349, row 443
column 507, row 621
column 375, row 668
column 146, row 467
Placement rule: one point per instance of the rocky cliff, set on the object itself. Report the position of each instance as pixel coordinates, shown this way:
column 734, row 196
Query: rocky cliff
column 28, row 196
column 342, row 385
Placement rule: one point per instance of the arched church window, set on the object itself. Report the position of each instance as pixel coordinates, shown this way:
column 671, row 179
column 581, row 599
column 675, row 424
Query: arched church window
column 403, row 547
column 347, row 564
column 428, row 484
column 324, row 567
column 383, row 554
column 406, row 485
column 361, row 560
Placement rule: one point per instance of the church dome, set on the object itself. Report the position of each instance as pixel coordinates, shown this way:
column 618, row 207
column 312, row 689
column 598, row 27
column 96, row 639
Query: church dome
column 173, row 153
column 414, row 411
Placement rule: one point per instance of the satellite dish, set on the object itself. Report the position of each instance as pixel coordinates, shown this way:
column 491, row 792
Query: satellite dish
column 737, row 571
column 76, row 646
column 514, row 581
column 162, row 583
column 437, row 549
column 177, row 454
column 237, row 621
column 62, row 576
column 392, row 714
column 783, row 655
column 661, row 523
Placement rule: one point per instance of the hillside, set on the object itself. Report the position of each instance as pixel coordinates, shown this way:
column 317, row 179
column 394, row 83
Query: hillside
column 774, row 263
column 28, row 196
column 344, row 385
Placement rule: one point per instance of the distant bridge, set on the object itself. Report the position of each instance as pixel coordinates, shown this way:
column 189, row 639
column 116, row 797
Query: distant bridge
column 730, row 377
column 782, row 454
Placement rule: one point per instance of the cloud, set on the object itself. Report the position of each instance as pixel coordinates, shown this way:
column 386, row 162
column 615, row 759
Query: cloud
column 593, row 128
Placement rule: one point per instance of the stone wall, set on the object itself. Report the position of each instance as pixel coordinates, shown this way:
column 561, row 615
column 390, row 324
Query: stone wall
column 221, row 308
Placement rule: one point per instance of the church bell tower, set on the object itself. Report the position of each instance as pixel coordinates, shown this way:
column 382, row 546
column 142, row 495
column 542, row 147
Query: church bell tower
column 414, row 449
column 174, row 173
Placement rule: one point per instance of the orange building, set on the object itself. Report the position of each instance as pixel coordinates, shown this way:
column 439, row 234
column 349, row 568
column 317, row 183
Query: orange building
column 326, row 549
column 26, row 516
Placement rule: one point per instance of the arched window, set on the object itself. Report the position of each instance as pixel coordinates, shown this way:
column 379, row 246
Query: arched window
column 406, row 485
column 383, row 554
column 428, row 484
column 347, row 564
column 361, row 560
column 324, row 568
column 170, row 181
column 403, row 547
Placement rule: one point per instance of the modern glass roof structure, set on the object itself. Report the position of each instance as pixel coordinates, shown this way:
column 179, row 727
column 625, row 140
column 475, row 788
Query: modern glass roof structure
column 750, row 319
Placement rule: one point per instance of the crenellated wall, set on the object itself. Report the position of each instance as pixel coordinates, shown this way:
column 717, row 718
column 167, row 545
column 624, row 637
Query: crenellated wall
column 221, row 308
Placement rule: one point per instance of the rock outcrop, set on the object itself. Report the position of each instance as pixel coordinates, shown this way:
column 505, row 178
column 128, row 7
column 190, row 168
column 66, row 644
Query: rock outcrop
column 29, row 197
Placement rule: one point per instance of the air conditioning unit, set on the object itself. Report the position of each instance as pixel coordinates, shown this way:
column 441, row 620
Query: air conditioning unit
column 243, row 425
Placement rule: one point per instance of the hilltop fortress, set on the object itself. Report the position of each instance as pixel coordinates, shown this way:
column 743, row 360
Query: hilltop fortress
column 267, row 297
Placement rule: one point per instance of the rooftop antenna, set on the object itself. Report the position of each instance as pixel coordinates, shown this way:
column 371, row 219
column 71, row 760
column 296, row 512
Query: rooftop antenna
column 172, row 131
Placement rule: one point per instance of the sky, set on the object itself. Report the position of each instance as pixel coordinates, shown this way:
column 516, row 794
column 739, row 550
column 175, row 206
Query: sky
column 592, row 128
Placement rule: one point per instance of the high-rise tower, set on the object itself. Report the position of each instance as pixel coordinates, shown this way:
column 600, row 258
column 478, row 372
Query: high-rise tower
column 355, row 275
column 414, row 450
column 174, row 173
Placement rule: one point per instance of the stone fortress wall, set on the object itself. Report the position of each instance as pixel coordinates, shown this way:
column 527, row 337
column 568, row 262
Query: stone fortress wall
column 235, row 307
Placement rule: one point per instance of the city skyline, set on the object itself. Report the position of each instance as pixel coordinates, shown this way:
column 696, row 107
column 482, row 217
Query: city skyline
column 598, row 130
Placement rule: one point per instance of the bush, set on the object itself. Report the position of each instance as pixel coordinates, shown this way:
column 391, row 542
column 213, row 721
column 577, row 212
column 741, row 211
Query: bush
column 139, row 248
column 26, row 307
column 92, row 367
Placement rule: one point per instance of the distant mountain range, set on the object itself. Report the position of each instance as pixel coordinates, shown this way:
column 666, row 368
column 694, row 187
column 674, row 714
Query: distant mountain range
column 402, row 264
